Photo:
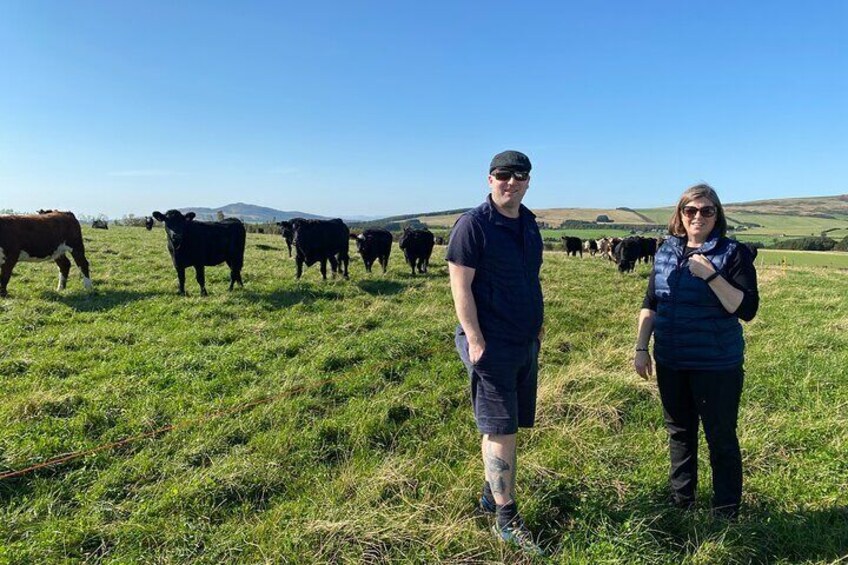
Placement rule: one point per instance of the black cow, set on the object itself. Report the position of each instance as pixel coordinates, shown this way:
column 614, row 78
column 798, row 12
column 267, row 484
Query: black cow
column 374, row 244
column 201, row 244
column 572, row 245
column 647, row 249
column 100, row 225
column 148, row 223
column 627, row 252
column 440, row 240
column 288, row 232
column 417, row 247
column 321, row 241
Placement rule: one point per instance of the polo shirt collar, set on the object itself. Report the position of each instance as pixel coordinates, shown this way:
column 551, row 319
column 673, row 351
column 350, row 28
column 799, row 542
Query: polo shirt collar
column 496, row 217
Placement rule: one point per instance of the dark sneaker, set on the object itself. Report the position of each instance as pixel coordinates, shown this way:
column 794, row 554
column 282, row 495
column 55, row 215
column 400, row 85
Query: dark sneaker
column 729, row 512
column 517, row 534
column 487, row 506
column 682, row 503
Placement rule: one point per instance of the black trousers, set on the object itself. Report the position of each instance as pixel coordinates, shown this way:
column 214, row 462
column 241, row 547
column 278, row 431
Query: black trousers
column 712, row 397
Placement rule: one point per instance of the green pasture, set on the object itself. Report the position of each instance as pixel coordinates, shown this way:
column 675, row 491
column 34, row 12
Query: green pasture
column 780, row 257
column 584, row 234
column 329, row 421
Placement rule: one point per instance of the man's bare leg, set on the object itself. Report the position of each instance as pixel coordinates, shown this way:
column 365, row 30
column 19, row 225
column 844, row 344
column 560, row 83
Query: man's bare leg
column 499, row 463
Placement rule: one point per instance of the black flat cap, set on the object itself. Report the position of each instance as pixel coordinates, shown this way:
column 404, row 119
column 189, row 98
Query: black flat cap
column 512, row 160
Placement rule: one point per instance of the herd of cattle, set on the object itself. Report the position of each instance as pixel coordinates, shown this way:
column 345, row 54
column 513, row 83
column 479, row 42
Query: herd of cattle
column 625, row 252
column 49, row 234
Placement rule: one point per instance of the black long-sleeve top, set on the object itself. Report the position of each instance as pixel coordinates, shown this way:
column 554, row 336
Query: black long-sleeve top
column 741, row 274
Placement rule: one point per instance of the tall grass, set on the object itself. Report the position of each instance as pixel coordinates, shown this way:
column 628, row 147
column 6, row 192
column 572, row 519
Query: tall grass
column 365, row 450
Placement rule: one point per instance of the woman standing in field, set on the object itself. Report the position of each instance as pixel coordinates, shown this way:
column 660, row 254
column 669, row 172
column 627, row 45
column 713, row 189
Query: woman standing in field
column 701, row 285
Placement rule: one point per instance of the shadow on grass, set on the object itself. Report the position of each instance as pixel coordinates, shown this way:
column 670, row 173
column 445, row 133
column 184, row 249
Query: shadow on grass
column 97, row 300
column 264, row 247
column 761, row 534
column 285, row 298
column 381, row 288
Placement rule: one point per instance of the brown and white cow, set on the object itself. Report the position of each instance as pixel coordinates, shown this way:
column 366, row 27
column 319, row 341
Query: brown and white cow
column 45, row 236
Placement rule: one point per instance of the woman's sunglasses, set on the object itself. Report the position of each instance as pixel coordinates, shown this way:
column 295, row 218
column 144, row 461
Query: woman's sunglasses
column 706, row 212
column 506, row 175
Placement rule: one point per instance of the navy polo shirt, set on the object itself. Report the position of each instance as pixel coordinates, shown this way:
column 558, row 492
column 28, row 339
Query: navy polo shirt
column 506, row 254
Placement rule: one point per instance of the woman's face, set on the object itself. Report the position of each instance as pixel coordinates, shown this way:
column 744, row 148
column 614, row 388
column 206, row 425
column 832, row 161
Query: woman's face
column 699, row 218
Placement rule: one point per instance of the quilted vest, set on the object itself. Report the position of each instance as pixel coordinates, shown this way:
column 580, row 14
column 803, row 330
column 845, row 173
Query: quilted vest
column 506, row 285
column 692, row 330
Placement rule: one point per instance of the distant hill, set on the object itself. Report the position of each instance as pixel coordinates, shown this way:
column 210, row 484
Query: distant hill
column 822, row 207
column 248, row 213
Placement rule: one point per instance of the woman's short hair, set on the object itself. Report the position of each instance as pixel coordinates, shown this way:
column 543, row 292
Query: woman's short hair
column 703, row 190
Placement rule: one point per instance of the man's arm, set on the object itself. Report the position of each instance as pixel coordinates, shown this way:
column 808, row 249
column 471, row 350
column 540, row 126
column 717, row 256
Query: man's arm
column 466, row 309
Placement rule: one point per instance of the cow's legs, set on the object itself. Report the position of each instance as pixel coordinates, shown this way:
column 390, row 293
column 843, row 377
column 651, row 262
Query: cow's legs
column 6, row 274
column 235, row 274
column 344, row 261
column 181, row 280
column 324, row 268
column 368, row 265
column 298, row 261
column 78, row 253
column 384, row 263
column 64, row 268
column 200, row 275
column 334, row 265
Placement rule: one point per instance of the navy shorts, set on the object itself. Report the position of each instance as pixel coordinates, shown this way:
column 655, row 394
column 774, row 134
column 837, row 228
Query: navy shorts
column 503, row 384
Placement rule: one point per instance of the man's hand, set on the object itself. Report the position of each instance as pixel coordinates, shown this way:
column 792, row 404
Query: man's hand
column 476, row 346
column 642, row 363
column 700, row 266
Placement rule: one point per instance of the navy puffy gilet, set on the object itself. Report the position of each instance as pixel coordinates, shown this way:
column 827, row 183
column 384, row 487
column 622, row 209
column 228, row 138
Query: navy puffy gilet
column 692, row 330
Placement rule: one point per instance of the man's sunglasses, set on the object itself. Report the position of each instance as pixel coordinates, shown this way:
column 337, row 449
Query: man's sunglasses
column 506, row 175
column 706, row 212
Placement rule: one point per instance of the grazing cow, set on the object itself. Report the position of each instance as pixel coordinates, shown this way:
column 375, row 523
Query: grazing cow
column 417, row 247
column 100, row 225
column 590, row 246
column 148, row 223
column 202, row 244
column 288, row 232
column 627, row 253
column 440, row 240
column 321, row 241
column 47, row 235
column 572, row 245
column 647, row 249
column 374, row 244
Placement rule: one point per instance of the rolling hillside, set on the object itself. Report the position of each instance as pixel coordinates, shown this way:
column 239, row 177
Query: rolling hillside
column 792, row 217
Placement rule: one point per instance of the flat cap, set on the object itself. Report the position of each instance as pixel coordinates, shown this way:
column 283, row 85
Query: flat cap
column 512, row 160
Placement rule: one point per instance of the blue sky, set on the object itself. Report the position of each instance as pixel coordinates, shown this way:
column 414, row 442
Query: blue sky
column 378, row 108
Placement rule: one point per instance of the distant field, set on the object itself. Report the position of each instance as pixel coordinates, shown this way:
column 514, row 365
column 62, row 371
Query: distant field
column 584, row 234
column 802, row 258
column 361, row 447
column 772, row 226
column 554, row 216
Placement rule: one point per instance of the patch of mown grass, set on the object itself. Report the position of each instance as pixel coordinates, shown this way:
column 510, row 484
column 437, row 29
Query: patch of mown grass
column 362, row 446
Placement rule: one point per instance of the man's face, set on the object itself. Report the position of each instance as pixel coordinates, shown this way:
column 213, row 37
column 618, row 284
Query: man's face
column 507, row 190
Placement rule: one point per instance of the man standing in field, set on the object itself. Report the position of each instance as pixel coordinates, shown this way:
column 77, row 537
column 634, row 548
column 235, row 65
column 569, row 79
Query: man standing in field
column 494, row 256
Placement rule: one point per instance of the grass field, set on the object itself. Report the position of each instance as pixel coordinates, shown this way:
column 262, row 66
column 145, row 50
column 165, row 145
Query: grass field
column 360, row 446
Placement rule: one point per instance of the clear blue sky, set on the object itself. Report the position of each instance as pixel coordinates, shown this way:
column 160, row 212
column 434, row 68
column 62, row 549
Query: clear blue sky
column 343, row 108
